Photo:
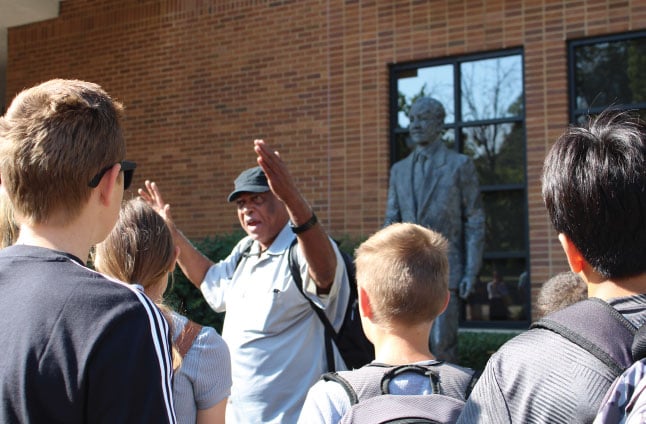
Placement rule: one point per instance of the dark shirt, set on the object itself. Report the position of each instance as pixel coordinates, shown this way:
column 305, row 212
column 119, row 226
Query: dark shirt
column 78, row 347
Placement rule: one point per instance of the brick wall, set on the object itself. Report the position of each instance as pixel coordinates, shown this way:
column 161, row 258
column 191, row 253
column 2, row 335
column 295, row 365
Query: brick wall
column 202, row 78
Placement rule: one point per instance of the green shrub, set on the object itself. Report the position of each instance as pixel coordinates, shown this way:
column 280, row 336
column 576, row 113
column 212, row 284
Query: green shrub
column 185, row 298
column 476, row 346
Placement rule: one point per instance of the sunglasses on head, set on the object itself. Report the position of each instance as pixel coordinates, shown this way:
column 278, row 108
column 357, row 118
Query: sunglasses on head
column 128, row 169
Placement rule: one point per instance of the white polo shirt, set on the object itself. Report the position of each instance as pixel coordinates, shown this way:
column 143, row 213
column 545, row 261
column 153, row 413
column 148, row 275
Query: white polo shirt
column 275, row 338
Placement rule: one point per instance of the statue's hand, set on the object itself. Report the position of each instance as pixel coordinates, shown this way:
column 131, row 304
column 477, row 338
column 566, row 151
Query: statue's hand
column 466, row 287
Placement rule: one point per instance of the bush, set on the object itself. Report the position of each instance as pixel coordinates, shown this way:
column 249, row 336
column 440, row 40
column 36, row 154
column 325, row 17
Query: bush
column 185, row 298
column 476, row 346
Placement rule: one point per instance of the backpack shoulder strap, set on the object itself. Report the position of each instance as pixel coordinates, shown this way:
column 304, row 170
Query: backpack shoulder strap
column 474, row 379
column 334, row 376
column 187, row 337
column 296, row 275
column 362, row 383
column 244, row 254
column 330, row 333
column 598, row 328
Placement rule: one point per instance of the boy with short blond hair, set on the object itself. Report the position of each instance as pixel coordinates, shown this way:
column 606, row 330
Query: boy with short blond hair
column 414, row 258
column 402, row 279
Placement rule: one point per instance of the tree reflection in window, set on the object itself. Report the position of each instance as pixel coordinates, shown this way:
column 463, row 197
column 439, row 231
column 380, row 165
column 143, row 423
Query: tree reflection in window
column 606, row 72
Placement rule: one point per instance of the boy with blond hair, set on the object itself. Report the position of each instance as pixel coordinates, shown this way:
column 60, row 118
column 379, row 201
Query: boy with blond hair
column 402, row 279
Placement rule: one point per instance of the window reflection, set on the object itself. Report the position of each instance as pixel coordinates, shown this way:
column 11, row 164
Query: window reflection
column 504, row 216
column 491, row 88
column 501, row 292
column 610, row 73
column 498, row 152
column 433, row 81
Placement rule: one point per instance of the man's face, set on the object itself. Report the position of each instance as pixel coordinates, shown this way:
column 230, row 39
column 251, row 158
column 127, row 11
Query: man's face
column 262, row 216
column 425, row 124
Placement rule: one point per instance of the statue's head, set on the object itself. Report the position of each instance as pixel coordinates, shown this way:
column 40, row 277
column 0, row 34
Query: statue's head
column 426, row 121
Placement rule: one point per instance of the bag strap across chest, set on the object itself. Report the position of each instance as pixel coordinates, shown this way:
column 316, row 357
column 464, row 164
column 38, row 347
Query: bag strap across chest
column 187, row 337
column 598, row 328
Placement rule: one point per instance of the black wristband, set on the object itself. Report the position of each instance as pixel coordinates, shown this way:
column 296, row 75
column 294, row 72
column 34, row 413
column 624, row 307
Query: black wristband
column 302, row 228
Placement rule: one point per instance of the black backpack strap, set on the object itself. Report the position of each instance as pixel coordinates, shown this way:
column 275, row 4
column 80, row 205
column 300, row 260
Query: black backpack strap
column 598, row 328
column 330, row 333
column 244, row 254
column 474, row 379
column 333, row 376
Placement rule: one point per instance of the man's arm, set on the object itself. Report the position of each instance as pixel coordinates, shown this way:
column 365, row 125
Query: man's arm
column 192, row 262
column 314, row 241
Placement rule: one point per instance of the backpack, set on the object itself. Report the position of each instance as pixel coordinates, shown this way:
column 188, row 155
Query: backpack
column 371, row 401
column 614, row 341
column 352, row 343
column 609, row 339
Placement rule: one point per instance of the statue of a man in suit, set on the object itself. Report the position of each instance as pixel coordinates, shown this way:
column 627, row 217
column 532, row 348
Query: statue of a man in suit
column 438, row 188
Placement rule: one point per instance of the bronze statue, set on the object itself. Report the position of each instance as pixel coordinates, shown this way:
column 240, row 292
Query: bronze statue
column 438, row 188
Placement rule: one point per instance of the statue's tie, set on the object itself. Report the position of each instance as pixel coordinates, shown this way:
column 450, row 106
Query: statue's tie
column 419, row 175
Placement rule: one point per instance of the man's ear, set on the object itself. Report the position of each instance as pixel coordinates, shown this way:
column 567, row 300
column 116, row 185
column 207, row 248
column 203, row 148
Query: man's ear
column 109, row 183
column 365, row 309
column 574, row 257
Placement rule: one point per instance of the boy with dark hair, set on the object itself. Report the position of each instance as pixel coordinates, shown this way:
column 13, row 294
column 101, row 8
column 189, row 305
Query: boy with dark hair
column 594, row 187
column 402, row 279
column 76, row 347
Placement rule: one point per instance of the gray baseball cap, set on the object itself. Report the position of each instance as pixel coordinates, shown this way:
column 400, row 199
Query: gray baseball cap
column 252, row 180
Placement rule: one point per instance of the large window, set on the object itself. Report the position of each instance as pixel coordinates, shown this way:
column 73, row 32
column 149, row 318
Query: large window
column 485, row 119
column 606, row 72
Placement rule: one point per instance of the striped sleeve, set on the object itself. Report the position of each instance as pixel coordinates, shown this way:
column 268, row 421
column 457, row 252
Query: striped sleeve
column 159, row 334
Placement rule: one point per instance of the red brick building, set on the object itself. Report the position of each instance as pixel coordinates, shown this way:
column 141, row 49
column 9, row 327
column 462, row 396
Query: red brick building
column 318, row 79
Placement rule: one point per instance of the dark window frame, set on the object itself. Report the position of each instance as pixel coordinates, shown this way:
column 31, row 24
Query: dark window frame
column 572, row 45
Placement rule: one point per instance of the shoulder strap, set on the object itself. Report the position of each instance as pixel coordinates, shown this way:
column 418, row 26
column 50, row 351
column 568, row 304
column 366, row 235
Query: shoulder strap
column 187, row 337
column 244, row 253
column 598, row 328
column 330, row 334
column 373, row 379
column 474, row 379
column 333, row 376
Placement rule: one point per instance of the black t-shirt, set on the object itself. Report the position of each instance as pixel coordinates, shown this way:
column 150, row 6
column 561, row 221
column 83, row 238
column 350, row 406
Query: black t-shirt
column 76, row 346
